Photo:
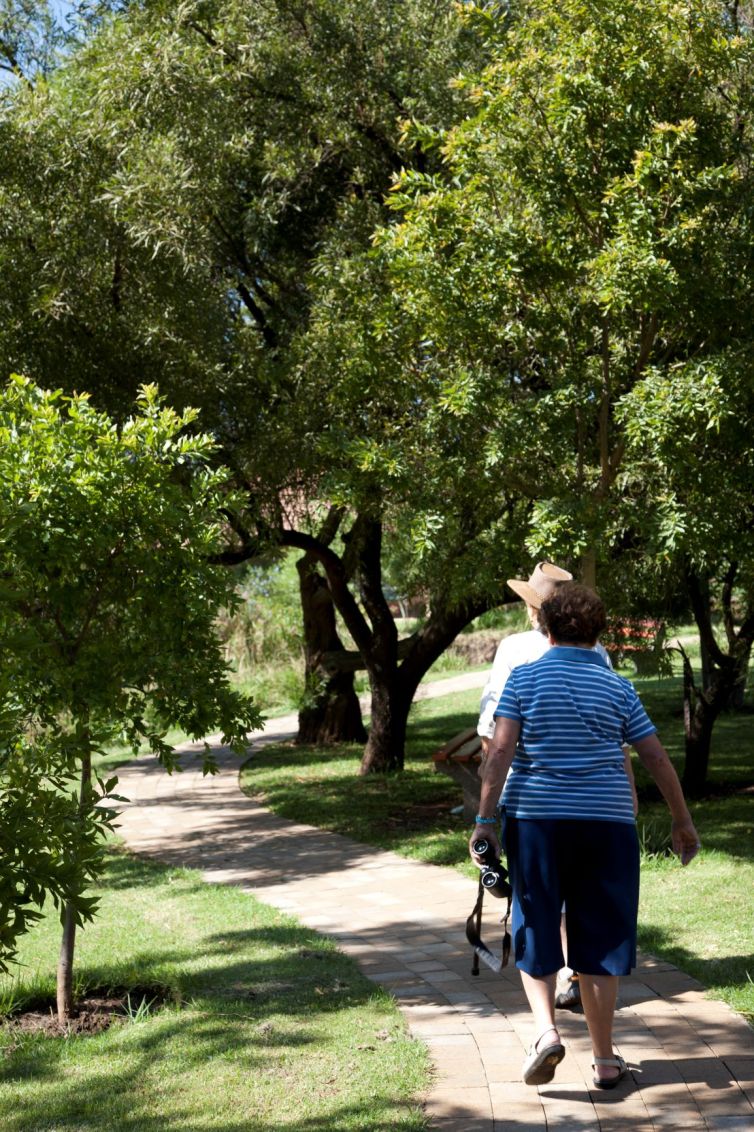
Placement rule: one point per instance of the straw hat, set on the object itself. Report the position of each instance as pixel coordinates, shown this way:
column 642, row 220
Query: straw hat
column 542, row 584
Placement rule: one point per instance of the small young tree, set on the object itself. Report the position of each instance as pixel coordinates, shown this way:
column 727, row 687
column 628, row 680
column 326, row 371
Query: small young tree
column 109, row 600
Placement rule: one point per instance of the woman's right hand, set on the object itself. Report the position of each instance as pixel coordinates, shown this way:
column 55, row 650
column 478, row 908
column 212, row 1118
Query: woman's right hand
column 685, row 840
column 654, row 759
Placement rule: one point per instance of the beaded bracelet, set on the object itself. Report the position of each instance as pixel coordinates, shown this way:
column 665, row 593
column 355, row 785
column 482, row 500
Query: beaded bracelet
column 485, row 821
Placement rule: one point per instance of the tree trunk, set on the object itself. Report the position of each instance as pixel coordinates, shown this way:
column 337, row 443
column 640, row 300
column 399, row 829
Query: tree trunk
column 699, row 723
column 706, row 658
column 386, row 744
column 736, row 699
column 589, row 568
column 331, row 712
column 68, row 941
column 393, row 682
column 65, row 966
column 723, row 674
column 394, row 685
column 698, row 744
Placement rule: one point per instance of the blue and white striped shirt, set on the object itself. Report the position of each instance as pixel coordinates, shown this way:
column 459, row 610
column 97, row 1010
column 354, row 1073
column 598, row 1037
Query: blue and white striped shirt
column 575, row 713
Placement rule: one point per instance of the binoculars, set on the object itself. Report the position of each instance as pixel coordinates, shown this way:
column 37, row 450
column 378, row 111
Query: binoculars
column 492, row 875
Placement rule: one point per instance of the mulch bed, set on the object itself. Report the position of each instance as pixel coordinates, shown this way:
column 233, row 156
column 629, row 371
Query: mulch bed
column 417, row 816
column 92, row 1014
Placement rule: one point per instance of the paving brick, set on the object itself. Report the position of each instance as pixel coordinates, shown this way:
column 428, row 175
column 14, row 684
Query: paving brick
column 622, row 1123
column 457, row 1042
column 514, row 1124
column 716, row 1104
column 463, row 1073
column 516, row 1101
column 442, row 977
column 459, row 1103
column 425, row 966
column 743, row 1123
column 741, row 1068
column 443, row 1123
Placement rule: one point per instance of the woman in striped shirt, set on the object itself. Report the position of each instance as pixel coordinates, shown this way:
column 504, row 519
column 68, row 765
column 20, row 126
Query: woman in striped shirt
column 569, row 825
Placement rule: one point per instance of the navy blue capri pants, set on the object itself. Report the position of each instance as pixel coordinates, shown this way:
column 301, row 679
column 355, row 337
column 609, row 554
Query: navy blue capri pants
column 591, row 865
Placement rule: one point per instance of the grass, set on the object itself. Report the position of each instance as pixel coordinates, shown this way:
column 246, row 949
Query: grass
column 267, row 1025
column 279, row 689
column 692, row 917
column 695, row 918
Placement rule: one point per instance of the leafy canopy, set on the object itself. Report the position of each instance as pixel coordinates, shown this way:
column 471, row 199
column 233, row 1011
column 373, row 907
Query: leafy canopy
column 584, row 263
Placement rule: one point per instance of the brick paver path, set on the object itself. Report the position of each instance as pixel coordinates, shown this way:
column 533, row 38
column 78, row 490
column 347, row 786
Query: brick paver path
column 692, row 1059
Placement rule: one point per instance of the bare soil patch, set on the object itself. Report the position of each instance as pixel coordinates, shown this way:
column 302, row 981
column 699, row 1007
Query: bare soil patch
column 92, row 1014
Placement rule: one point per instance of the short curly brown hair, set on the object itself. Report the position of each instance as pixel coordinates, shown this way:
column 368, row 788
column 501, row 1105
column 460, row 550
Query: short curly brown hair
column 573, row 615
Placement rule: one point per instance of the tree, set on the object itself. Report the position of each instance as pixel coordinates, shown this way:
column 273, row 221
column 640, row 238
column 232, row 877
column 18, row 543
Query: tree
column 202, row 235
column 48, row 849
column 107, row 610
column 691, row 427
column 584, row 263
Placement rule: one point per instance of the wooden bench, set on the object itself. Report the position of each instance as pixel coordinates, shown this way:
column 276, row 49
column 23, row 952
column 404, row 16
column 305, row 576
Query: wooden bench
column 641, row 641
column 461, row 758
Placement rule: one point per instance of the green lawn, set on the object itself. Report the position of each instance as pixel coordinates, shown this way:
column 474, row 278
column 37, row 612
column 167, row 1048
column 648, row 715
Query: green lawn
column 693, row 917
column 267, row 1026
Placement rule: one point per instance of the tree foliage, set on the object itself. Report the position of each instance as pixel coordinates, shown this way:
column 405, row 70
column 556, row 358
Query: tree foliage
column 554, row 311
column 48, row 850
column 587, row 254
column 215, row 173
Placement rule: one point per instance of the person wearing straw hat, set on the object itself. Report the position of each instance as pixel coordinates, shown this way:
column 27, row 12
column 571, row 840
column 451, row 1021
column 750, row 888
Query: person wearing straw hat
column 523, row 648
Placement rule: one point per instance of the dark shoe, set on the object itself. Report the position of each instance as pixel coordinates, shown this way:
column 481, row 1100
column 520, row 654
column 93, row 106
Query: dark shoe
column 539, row 1067
column 609, row 1082
column 570, row 998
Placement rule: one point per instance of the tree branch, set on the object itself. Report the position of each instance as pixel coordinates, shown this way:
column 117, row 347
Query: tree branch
column 14, row 67
column 604, row 418
column 269, row 335
column 330, row 525
column 727, row 603
column 701, row 612
column 344, row 600
column 647, row 341
column 367, row 535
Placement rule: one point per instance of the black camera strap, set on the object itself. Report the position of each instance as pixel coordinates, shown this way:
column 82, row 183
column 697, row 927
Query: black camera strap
column 473, row 935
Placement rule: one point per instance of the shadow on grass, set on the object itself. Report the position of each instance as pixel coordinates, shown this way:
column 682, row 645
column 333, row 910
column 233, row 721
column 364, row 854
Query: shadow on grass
column 715, row 974
column 730, row 765
column 122, row 871
column 399, row 812
column 250, row 999
column 725, row 824
column 131, row 1113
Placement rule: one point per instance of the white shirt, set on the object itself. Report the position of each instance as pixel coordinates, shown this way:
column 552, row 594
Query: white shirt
column 519, row 648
